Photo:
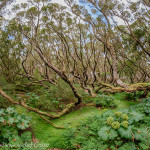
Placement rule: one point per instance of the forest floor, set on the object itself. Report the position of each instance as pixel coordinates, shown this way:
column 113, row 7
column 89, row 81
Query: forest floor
column 47, row 134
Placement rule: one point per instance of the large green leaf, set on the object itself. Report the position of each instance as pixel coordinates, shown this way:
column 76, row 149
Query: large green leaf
column 107, row 133
column 144, row 146
column 140, row 133
column 136, row 116
column 2, row 112
column 23, row 124
column 14, row 141
column 128, row 146
column 10, row 110
column 6, row 132
column 10, row 120
column 126, row 132
column 2, row 120
column 26, row 136
column 18, row 118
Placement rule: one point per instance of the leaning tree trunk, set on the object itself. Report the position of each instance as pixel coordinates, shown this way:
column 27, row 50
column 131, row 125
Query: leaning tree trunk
column 115, row 70
column 60, row 73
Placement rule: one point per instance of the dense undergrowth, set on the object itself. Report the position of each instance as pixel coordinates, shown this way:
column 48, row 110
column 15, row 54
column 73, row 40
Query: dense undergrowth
column 102, row 101
column 53, row 99
column 74, row 76
column 12, row 129
column 119, row 121
column 122, row 129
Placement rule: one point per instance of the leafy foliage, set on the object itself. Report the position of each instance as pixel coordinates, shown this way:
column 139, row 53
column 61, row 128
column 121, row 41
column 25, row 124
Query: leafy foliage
column 43, row 100
column 9, row 90
column 10, row 48
column 47, row 101
column 32, row 98
column 104, row 101
column 134, row 96
column 124, row 129
column 144, row 106
column 12, row 126
column 52, row 99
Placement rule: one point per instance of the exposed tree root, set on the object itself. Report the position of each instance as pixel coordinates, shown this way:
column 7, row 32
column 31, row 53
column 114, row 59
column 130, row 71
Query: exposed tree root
column 53, row 124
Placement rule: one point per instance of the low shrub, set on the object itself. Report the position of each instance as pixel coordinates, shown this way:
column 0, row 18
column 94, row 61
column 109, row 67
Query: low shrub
column 62, row 91
column 32, row 98
column 43, row 102
column 12, row 128
column 134, row 96
column 143, row 107
column 104, row 101
column 50, row 100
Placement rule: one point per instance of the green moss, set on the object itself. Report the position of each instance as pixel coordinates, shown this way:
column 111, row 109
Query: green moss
column 46, row 133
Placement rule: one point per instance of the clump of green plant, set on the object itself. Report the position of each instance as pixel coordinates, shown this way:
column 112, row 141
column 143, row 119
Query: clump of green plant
column 50, row 103
column 104, row 101
column 124, row 129
column 134, row 96
column 84, row 136
column 144, row 106
column 113, row 130
column 53, row 99
column 44, row 102
column 12, row 128
column 32, row 98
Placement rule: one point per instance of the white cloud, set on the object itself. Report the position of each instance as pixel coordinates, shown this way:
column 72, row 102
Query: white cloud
column 119, row 20
column 10, row 15
column 59, row 2
column 53, row 1
column 62, row 2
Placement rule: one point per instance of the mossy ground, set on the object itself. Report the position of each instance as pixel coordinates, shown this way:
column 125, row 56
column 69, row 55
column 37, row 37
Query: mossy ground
column 46, row 133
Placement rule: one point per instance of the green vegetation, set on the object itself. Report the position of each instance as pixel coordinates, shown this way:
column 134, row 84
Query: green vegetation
column 46, row 133
column 104, row 101
column 12, row 128
column 124, row 115
column 123, row 129
column 75, row 77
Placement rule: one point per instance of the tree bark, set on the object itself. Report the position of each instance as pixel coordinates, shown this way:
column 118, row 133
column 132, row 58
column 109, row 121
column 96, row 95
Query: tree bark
column 61, row 74
column 115, row 70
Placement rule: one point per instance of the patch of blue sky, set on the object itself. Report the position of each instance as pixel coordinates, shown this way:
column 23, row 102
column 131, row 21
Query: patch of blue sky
column 98, row 14
column 89, row 8
column 11, row 37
